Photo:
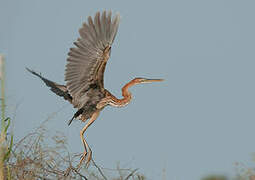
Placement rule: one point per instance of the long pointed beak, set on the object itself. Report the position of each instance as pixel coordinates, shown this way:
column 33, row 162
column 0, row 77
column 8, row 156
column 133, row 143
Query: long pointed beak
column 152, row 80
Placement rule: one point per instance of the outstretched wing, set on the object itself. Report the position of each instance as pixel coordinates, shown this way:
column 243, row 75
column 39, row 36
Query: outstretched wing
column 87, row 61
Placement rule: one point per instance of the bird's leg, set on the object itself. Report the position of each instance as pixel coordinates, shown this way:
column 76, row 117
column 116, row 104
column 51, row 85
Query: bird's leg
column 86, row 146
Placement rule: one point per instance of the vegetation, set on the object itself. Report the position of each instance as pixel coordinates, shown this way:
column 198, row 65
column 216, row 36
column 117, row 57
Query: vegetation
column 32, row 158
column 215, row 177
column 5, row 144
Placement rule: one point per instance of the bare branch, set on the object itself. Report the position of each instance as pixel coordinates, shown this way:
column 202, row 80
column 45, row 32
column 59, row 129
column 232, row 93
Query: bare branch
column 100, row 171
column 131, row 174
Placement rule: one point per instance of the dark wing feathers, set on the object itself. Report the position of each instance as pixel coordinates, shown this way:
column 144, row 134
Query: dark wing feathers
column 85, row 59
column 58, row 89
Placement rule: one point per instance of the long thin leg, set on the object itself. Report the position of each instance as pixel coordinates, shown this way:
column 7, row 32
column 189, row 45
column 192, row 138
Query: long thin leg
column 86, row 146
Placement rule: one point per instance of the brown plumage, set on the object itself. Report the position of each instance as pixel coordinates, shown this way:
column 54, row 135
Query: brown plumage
column 84, row 74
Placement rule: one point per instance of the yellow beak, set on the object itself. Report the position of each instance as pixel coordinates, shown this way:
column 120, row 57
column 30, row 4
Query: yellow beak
column 152, row 80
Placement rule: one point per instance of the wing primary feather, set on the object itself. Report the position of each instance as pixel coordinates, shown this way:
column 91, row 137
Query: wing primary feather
column 96, row 19
column 115, row 26
column 85, row 34
column 109, row 24
column 104, row 28
column 92, row 27
column 99, row 31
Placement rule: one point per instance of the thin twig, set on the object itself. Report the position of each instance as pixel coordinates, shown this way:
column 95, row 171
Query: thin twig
column 24, row 138
column 131, row 174
column 100, row 171
column 75, row 170
column 119, row 171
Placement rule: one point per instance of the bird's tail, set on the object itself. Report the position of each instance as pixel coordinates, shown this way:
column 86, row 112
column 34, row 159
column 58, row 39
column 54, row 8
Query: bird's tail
column 58, row 89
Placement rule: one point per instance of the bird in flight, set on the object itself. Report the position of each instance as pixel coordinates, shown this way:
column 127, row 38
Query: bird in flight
column 84, row 74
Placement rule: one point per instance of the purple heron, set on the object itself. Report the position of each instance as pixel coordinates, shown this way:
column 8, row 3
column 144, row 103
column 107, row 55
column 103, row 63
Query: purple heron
column 84, row 73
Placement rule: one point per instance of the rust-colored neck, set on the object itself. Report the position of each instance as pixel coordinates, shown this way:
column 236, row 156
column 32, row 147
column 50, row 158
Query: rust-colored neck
column 113, row 101
column 125, row 92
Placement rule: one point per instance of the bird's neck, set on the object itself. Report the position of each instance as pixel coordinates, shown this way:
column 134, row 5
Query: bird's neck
column 125, row 92
column 127, row 96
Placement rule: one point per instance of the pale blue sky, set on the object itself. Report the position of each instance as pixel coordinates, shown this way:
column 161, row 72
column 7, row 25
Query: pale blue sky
column 200, row 120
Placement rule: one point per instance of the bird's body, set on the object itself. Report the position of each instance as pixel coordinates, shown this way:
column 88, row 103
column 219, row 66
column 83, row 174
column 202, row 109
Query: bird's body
column 84, row 73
